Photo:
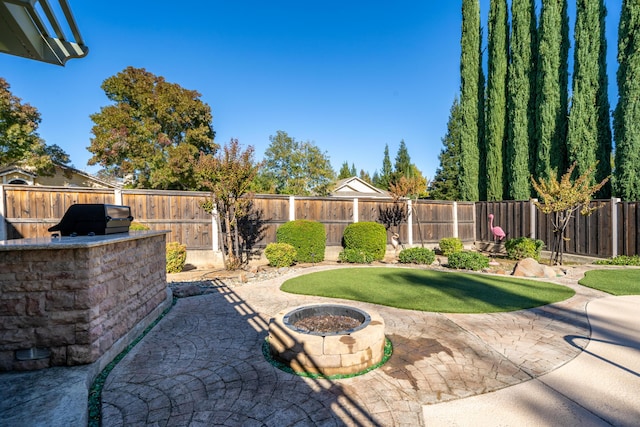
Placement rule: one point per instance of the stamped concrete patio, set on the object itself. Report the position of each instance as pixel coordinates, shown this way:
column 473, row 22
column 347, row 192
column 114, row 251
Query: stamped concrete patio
column 202, row 364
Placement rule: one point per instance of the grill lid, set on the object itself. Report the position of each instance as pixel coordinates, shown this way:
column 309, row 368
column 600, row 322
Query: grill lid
column 94, row 219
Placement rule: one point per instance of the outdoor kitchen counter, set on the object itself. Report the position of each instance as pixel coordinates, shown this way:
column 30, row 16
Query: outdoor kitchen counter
column 67, row 242
column 67, row 301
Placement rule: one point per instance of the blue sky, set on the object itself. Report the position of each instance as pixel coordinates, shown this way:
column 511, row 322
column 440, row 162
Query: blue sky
column 350, row 76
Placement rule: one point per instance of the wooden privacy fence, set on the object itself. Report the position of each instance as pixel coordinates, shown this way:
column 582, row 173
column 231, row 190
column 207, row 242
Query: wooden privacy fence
column 428, row 222
column 29, row 211
column 609, row 231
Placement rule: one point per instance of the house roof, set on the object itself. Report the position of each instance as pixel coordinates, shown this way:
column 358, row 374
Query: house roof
column 13, row 168
column 356, row 187
column 88, row 176
column 9, row 169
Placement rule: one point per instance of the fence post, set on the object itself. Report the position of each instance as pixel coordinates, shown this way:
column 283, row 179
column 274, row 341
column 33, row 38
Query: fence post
column 455, row 219
column 532, row 217
column 475, row 225
column 215, row 242
column 117, row 196
column 614, row 226
column 3, row 212
column 410, row 222
column 356, row 214
column 292, row 208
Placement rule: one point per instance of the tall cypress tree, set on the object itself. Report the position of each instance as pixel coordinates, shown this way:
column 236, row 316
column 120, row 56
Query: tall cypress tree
column 496, row 121
column 589, row 132
column 482, row 114
column 605, row 138
column 521, row 97
column 627, row 114
column 552, row 89
column 470, row 62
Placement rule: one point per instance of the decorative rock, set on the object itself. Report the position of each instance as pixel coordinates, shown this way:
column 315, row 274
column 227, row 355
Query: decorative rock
column 529, row 267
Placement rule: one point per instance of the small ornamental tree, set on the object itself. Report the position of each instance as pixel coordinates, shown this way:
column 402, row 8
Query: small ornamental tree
column 562, row 199
column 228, row 175
column 409, row 188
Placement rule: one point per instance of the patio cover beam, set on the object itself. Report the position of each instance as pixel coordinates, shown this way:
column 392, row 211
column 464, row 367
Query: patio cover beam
column 30, row 28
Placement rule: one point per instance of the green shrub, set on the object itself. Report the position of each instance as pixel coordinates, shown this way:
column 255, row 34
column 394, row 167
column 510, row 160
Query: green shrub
column 307, row 237
column 523, row 247
column 368, row 237
column 355, row 256
column 620, row 260
column 280, row 254
column 450, row 245
column 467, row 260
column 136, row 226
column 417, row 256
column 176, row 257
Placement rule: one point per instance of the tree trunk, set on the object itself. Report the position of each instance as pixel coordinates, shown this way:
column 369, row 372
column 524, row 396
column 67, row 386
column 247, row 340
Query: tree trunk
column 220, row 235
column 415, row 212
column 232, row 260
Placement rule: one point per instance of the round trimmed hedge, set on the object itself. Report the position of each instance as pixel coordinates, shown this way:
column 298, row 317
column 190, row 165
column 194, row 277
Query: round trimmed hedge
column 307, row 237
column 369, row 237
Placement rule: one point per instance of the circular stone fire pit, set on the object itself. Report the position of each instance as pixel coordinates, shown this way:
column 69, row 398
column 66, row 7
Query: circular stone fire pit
column 332, row 352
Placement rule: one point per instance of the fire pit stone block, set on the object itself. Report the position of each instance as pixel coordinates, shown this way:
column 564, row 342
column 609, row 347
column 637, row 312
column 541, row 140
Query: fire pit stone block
column 331, row 354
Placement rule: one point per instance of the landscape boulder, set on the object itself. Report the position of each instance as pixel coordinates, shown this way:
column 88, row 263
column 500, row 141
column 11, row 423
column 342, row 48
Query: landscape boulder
column 529, row 267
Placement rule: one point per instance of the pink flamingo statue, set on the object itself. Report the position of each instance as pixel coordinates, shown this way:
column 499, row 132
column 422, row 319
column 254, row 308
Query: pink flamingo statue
column 498, row 232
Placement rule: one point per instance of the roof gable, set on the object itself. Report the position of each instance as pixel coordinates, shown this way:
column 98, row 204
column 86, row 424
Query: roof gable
column 354, row 186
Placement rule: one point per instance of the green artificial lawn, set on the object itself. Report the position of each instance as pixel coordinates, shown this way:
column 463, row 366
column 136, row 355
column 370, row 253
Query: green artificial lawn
column 429, row 290
column 615, row 282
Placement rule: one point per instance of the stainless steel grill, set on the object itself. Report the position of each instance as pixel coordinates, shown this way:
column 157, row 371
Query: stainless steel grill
column 94, row 219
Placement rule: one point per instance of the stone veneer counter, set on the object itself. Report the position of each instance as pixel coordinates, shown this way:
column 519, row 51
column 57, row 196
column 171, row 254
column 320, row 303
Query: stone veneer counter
column 67, row 242
column 65, row 301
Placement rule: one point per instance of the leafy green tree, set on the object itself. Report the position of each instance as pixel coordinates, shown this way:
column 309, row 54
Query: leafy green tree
column 153, row 133
column 589, row 133
column 521, row 99
column 470, row 88
column 229, row 175
column 294, row 167
column 627, row 113
column 19, row 139
column 345, row 171
column 562, row 198
column 353, row 171
column 552, row 89
column 496, row 121
column 445, row 184
column 386, row 174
